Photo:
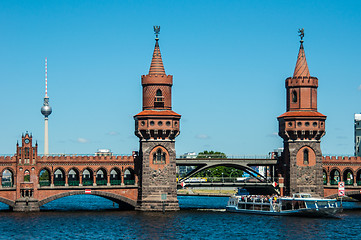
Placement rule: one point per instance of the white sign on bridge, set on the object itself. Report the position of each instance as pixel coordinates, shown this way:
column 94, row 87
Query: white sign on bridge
column 341, row 189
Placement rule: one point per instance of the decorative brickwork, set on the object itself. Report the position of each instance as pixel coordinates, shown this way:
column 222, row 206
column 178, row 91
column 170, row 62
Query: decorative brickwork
column 302, row 128
column 157, row 126
column 28, row 181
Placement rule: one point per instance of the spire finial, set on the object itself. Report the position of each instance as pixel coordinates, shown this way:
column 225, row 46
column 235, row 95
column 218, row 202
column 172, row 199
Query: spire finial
column 156, row 32
column 301, row 31
column 301, row 69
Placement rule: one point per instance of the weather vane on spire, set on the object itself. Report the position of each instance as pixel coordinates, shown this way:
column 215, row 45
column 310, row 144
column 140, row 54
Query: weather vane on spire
column 156, row 32
column 301, row 31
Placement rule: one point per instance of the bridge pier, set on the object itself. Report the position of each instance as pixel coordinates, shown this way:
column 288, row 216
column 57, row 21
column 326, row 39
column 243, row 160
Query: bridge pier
column 26, row 205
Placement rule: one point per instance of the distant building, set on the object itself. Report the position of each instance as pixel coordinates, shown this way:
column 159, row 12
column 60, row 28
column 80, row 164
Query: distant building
column 189, row 155
column 184, row 170
column 103, row 152
column 357, row 135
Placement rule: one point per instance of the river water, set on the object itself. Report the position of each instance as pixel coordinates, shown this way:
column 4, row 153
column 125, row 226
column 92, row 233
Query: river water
column 91, row 217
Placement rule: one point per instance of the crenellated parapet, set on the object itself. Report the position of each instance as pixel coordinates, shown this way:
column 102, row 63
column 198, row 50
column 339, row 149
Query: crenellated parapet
column 7, row 159
column 341, row 159
column 305, row 81
column 80, row 159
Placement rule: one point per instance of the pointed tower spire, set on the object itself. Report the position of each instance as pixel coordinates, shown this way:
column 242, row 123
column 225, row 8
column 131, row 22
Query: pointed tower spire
column 156, row 67
column 301, row 69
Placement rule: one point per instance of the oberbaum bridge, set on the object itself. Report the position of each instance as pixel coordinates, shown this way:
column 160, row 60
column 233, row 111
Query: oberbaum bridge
column 146, row 180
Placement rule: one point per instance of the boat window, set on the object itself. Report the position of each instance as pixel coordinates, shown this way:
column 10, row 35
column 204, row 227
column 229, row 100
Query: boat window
column 322, row 204
column 311, row 204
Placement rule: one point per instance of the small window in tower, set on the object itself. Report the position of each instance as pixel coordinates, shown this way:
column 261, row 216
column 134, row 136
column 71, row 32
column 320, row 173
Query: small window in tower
column 159, row 157
column 159, row 99
column 294, row 96
column 27, row 151
column 305, row 157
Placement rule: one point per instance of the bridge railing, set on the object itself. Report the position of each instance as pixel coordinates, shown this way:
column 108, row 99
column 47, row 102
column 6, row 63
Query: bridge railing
column 220, row 156
column 223, row 180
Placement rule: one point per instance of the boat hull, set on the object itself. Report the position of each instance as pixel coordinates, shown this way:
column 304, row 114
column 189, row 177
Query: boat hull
column 317, row 213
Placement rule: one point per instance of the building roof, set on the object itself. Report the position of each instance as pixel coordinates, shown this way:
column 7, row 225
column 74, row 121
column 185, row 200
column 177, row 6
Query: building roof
column 302, row 114
column 301, row 69
column 156, row 66
column 158, row 113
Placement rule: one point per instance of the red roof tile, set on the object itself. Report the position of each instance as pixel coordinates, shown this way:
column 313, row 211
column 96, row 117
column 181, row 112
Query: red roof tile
column 302, row 114
column 158, row 113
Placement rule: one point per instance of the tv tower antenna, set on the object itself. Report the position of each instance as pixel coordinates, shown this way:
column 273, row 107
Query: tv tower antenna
column 46, row 111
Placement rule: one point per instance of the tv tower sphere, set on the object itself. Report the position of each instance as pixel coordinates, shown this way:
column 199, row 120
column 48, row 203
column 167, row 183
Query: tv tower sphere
column 46, row 109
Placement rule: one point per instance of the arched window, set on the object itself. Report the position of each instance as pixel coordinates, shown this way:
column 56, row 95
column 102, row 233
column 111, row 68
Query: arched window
column 159, row 157
column 7, row 178
column 27, row 176
column 294, row 96
column 159, row 99
column 305, row 157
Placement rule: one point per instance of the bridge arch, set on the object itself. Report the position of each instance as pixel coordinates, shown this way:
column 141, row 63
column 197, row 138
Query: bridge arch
column 129, row 176
column 8, row 202
column 358, row 176
column 122, row 200
column 59, row 176
column 73, row 176
column 324, row 176
column 335, row 175
column 348, row 176
column 101, row 176
column 7, row 177
column 244, row 168
column 44, row 177
column 115, row 176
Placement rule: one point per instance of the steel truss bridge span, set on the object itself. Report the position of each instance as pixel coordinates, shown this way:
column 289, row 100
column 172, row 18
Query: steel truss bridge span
column 243, row 164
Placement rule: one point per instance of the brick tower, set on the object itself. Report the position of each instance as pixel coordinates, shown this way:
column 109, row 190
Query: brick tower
column 302, row 128
column 157, row 126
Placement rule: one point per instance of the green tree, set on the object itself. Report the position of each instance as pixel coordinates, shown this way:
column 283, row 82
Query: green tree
column 216, row 172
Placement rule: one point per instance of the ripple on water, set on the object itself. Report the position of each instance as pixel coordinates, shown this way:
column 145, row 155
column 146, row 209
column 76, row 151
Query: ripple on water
column 66, row 219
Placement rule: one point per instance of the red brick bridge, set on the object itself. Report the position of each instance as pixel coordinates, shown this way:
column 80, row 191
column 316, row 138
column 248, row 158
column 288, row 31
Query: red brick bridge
column 342, row 168
column 30, row 181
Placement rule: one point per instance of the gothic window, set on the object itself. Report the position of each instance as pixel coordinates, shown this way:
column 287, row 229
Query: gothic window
column 294, row 96
column 27, row 152
column 159, row 99
column 26, row 176
column 305, row 157
column 159, row 157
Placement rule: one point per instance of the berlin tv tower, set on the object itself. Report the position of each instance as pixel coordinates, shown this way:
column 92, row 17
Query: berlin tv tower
column 46, row 111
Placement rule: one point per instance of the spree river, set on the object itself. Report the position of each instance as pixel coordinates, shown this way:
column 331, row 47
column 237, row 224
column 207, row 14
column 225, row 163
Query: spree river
column 91, row 217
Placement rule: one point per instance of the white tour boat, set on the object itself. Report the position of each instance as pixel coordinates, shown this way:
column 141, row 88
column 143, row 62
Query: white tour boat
column 301, row 204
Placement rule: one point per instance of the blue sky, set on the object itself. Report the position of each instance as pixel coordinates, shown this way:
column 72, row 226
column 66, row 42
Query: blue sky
column 229, row 60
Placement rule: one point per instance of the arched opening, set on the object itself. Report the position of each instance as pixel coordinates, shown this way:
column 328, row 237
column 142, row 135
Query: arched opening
column 73, row 177
column 59, row 177
column 324, row 176
column 348, row 177
column 159, row 157
column 294, row 96
column 101, row 178
column 159, row 99
column 88, row 177
column 334, row 177
column 26, row 176
column 129, row 177
column 77, row 200
column 305, row 157
column 7, row 179
column 44, row 177
column 115, row 177
column 358, row 178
